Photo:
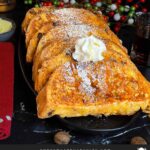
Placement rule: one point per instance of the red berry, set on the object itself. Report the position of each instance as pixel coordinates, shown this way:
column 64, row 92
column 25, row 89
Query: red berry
column 119, row 1
column 142, row 1
column 123, row 18
column 129, row 1
column 49, row 4
column 93, row 1
column 111, row 13
column 44, row 4
column 106, row 18
column 118, row 24
column 144, row 10
column 116, row 28
column 136, row 6
column 61, row 4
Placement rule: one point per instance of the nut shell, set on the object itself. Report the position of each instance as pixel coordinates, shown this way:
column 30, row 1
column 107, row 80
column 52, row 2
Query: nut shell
column 62, row 137
column 138, row 140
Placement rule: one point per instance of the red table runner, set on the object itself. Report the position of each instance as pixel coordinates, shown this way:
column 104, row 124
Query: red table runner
column 6, row 88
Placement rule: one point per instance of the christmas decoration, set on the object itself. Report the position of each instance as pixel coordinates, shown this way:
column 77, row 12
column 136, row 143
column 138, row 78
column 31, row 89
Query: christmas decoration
column 31, row 2
column 121, row 8
column 116, row 12
column 126, row 8
column 130, row 21
column 99, row 4
column 113, row 7
column 123, row 18
column 111, row 13
column 66, row 1
column 144, row 10
column 117, row 17
column 72, row 2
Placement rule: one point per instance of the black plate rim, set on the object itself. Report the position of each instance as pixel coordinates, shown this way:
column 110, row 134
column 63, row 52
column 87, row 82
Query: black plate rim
column 134, row 118
column 21, row 67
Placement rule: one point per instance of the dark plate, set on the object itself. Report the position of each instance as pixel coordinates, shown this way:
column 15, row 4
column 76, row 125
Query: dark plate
column 90, row 124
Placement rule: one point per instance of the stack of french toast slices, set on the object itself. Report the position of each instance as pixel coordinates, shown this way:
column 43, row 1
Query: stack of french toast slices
column 71, row 88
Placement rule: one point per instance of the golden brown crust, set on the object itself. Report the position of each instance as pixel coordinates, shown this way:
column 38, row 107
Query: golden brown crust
column 40, row 78
column 63, row 16
column 32, row 13
column 37, row 22
column 111, row 87
column 110, row 91
column 48, row 67
column 51, row 50
column 69, row 88
column 35, row 40
column 58, row 18
column 29, row 15
column 69, row 31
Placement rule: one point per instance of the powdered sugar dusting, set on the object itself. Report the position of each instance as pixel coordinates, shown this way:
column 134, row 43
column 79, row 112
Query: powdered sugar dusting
column 90, row 77
column 68, row 74
column 70, row 31
column 93, row 79
column 67, row 16
column 73, row 16
column 85, row 86
column 99, row 76
column 65, row 32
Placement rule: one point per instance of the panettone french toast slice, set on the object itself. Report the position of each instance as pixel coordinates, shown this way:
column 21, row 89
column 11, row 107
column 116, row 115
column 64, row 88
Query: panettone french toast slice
column 69, row 31
column 51, row 50
column 112, row 86
column 35, row 39
column 48, row 67
column 63, row 16
column 37, row 22
column 41, row 75
column 32, row 13
column 80, row 67
column 32, row 42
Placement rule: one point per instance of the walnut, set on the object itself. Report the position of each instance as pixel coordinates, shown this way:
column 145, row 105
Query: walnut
column 62, row 137
column 138, row 140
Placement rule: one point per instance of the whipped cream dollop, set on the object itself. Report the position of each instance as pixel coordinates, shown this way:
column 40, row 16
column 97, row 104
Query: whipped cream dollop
column 89, row 49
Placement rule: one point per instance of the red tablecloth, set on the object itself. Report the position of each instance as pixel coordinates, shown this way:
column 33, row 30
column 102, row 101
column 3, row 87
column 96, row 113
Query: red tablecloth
column 6, row 88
